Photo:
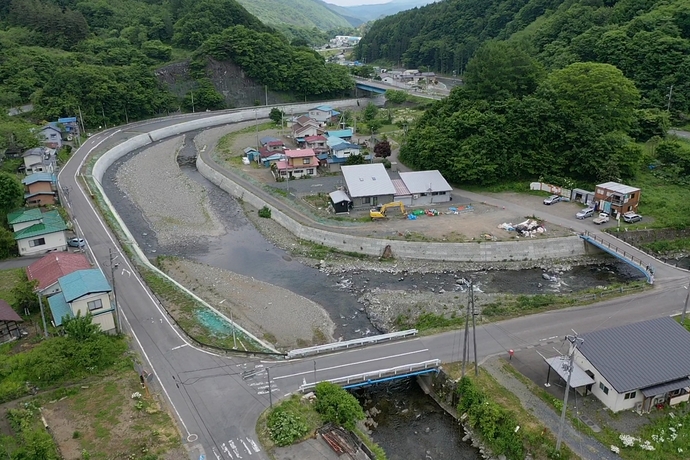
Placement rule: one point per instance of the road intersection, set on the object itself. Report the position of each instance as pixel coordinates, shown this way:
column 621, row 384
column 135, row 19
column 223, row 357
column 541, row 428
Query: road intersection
column 217, row 398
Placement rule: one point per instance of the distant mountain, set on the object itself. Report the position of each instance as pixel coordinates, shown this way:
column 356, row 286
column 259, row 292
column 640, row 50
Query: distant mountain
column 367, row 13
column 305, row 14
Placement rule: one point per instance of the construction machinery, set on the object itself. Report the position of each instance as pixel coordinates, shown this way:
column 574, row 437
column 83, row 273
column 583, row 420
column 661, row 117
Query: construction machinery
column 379, row 212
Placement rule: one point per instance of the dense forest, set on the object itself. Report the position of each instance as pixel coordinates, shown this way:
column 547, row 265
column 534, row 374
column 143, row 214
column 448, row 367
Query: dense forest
column 99, row 56
column 648, row 40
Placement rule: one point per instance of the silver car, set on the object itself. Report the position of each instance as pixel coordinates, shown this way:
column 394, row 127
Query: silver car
column 585, row 213
column 552, row 199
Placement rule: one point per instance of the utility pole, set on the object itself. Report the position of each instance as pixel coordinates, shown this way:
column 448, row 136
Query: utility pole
column 43, row 315
column 192, row 93
column 232, row 323
column 670, row 95
column 105, row 123
column 314, row 372
column 685, row 307
column 113, row 266
column 270, row 393
column 81, row 120
column 256, row 125
column 474, row 335
column 575, row 341
column 465, row 351
column 266, row 93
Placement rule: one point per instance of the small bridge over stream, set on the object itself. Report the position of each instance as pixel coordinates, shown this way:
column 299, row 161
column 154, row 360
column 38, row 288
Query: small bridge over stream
column 621, row 254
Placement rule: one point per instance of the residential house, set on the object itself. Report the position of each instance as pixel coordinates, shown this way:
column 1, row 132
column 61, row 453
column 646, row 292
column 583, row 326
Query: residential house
column 70, row 126
column 612, row 196
column 340, row 153
column 48, row 269
column 9, row 323
column 266, row 139
column 50, row 136
column 82, row 292
column 341, row 133
column 37, row 232
column 252, row 154
column 368, row 185
column 304, row 126
column 323, row 114
column 316, row 143
column 40, row 189
column 426, row 187
column 268, row 158
column 39, row 160
column 298, row 163
column 637, row 366
column 275, row 146
column 332, row 141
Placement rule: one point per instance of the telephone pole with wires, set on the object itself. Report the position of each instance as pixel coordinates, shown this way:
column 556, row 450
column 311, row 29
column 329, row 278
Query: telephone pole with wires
column 575, row 341
column 474, row 330
column 465, row 339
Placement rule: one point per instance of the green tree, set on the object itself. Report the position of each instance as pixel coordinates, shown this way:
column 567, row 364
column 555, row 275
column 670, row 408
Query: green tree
column 24, row 293
column 11, row 193
column 395, row 96
column 286, row 427
column 649, row 123
column 81, row 328
column 8, row 245
column 337, row 405
column 276, row 115
column 500, row 70
column 354, row 160
column 370, row 112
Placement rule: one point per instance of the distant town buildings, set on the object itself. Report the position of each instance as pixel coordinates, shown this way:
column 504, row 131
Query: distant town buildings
column 344, row 40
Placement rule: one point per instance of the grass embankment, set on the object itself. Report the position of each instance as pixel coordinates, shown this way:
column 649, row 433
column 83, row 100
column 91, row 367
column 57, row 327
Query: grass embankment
column 225, row 148
column 8, row 280
column 495, row 413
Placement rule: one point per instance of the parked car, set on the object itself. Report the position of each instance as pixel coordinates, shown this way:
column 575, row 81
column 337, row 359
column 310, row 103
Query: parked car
column 76, row 242
column 585, row 213
column 631, row 217
column 602, row 219
column 552, row 199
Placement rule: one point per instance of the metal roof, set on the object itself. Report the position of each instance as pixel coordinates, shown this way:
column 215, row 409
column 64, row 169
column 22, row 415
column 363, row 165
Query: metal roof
column 425, row 181
column 400, row 189
column 24, row 215
column 39, row 177
column 52, row 223
column 49, row 268
column 339, row 133
column 59, row 308
column 560, row 364
column 339, row 196
column 367, row 180
column 299, row 153
column 639, row 355
column 82, row 282
column 666, row 387
column 7, row 313
column 345, row 146
column 332, row 141
column 618, row 188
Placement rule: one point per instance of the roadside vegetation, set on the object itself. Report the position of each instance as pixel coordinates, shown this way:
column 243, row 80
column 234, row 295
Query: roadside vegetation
column 496, row 413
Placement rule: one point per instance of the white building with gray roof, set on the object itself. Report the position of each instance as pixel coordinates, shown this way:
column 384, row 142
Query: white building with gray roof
column 368, row 185
column 637, row 366
column 426, row 187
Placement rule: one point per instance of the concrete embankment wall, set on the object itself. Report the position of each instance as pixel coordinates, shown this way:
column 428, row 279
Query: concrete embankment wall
column 526, row 249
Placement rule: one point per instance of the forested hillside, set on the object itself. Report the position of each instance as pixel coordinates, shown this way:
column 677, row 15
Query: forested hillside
column 302, row 13
column 100, row 56
column 648, row 40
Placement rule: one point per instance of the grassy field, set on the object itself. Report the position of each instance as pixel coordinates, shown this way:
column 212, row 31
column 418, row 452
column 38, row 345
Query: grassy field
column 8, row 279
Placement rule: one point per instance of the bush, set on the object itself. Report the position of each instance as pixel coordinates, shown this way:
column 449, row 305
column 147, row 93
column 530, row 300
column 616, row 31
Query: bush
column 285, row 427
column 338, row 406
column 265, row 212
column 386, row 163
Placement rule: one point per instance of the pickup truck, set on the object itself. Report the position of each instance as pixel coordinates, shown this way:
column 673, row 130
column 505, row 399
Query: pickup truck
column 602, row 219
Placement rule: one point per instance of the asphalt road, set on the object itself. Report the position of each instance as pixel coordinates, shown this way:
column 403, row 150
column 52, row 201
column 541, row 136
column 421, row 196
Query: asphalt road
column 217, row 399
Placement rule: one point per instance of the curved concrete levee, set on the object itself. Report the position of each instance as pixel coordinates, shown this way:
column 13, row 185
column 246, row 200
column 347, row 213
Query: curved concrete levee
column 111, row 156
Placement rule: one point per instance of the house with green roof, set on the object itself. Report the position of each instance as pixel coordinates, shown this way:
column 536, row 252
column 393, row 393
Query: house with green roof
column 82, row 292
column 37, row 232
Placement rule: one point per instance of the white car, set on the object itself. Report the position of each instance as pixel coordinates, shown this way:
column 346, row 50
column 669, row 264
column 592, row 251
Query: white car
column 76, row 242
column 552, row 199
column 585, row 213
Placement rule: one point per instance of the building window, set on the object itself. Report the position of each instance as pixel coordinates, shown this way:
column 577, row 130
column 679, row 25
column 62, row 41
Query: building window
column 306, row 161
column 604, row 388
column 95, row 304
column 310, row 171
column 366, row 200
column 630, row 395
column 37, row 242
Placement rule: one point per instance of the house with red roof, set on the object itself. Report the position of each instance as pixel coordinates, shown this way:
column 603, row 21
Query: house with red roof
column 47, row 270
column 318, row 143
column 298, row 163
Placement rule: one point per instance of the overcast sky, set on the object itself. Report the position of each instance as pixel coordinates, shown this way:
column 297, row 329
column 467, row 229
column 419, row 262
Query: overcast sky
column 355, row 2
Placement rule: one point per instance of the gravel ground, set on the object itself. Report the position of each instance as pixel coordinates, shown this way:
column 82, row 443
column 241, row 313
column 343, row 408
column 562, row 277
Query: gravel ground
column 278, row 315
column 178, row 212
column 584, row 446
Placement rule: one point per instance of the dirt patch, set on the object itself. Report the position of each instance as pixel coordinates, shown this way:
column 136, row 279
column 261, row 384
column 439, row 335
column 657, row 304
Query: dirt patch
column 272, row 313
column 104, row 420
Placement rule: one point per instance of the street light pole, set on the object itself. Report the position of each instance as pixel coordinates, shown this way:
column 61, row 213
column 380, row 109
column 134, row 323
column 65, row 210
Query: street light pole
column 43, row 315
column 685, row 307
column 113, row 266
column 314, row 372
column 270, row 393
column 575, row 340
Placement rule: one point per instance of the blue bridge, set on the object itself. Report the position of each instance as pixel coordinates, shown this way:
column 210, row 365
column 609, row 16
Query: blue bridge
column 371, row 87
column 621, row 254
column 380, row 376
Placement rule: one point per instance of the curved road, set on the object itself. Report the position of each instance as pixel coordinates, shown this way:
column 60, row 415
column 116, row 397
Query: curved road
column 217, row 399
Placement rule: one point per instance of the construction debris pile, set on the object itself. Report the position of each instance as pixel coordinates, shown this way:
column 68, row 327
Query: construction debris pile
column 413, row 215
column 529, row 228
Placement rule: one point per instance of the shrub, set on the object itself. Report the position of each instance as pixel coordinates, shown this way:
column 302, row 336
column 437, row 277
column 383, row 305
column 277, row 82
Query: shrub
column 337, row 405
column 285, row 427
column 265, row 212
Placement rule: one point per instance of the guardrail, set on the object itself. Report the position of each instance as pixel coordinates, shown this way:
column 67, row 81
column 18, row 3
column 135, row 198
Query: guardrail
column 647, row 270
column 369, row 378
column 331, row 347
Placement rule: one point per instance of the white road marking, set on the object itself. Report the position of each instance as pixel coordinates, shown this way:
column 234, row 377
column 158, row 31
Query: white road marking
column 549, row 338
column 254, row 445
column 234, row 448
column 226, row 450
column 351, row 364
column 180, row 346
column 218, row 457
column 246, row 446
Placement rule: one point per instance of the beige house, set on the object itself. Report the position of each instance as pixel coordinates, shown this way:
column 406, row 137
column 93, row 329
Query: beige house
column 83, row 292
column 38, row 232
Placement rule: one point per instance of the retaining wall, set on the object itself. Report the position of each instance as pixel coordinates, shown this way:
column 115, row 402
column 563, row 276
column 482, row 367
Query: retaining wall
column 526, row 249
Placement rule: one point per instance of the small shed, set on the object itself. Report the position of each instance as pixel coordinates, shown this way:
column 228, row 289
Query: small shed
column 9, row 323
column 340, row 201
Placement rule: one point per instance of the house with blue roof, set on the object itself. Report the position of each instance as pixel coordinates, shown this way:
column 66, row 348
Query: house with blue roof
column 323, row 113
column 38, row 232
column 341, row 133
column 40, row 189
column 82, row 292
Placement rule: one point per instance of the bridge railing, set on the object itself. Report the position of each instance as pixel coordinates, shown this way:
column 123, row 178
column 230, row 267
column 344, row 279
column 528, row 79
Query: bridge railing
column 345, row 344
column 373, row 376
column 645, row 268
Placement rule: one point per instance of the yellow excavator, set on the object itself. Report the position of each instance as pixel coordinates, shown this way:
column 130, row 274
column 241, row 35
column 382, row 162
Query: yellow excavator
column 379, row 212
